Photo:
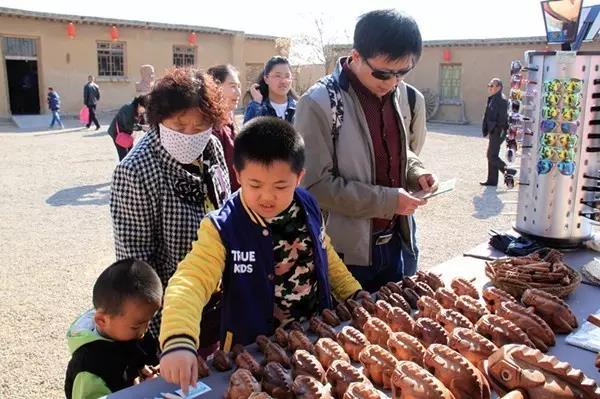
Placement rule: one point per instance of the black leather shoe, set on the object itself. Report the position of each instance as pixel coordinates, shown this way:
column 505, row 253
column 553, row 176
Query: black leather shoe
column 510, row 171
column 485, row 183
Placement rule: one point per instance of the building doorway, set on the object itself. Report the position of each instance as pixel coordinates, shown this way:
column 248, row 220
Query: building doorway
column 23, row 88
column 20, row 56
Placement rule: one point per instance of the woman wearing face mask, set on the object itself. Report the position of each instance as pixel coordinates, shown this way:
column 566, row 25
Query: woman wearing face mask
column 170, row 180
column 273, row 94
column 129, row 119
column 227, row 77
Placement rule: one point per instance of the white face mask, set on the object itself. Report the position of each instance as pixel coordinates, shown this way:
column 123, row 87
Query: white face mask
column 185, row 148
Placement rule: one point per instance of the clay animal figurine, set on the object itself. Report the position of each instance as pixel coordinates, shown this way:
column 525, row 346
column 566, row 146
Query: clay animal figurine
column 431, row 279
column 383, row 308
column 422, row 289
column 362, row 390
column 446, row 297
column 369, row 304
column 400, row 320
column 360, row 317
column 327, row 350
column 411, row 297
column 330, row 317
column 304, row 363
column 203, row 370
column 462, row 286
column 397, row 300
column 297, row 340
column 450, row 319
column 275, row 353
column 472, row 345
column 340, row 375
column 245, row 360
column 377, row 331
column 241, row 385
column 493, row 297
column 430, row 332
column 306, row 387
column 501, row 331
column 459, row 375
column 518, row 367
column 428, row 307
column 342, row 312
column 552, row 309
column 321, row 328
column 406, row 347
column 470, row 307
column 276, row 381
column 221, row 361
column 378, row 365
column 411, row 381
column 353, row 341
column 536, row 329
column 281, row 337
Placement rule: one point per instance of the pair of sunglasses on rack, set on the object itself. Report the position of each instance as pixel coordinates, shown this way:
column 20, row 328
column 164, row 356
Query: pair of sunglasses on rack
column 572, row 100
column 568, row 114
column 569, row 86
column 559, row 139
column 548, row 126
column 552, row 154
column 544, row 166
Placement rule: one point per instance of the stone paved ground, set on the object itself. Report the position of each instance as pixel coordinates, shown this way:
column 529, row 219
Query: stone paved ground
column 55, row 235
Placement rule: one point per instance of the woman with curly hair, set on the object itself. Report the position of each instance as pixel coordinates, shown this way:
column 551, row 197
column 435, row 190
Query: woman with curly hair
column 273, row 94
column 171, row 179
column 228, row 79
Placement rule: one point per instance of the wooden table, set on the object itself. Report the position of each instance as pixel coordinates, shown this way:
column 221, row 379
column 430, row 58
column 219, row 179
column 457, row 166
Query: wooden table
column 585, row 300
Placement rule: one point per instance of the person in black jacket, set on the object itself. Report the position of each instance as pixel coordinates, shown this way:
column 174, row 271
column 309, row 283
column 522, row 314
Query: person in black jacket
column 129, row 118
column 91, row 95
column 495, row 124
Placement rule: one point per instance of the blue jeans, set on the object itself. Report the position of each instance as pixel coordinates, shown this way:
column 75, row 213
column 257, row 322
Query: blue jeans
column 56, row 118
column 390, row 261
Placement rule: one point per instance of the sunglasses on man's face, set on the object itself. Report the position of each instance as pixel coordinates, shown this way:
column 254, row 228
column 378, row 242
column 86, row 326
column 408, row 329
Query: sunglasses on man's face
column 387, row 75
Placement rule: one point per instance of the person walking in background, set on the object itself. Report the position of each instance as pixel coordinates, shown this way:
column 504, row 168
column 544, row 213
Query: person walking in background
column 273, row 94
column 91, row 96
column 130, row 118
column 228, row 79
column 495, row 124
column 54, row 107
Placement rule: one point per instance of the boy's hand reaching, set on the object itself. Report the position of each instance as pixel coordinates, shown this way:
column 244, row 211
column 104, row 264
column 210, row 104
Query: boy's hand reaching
column 180, row 367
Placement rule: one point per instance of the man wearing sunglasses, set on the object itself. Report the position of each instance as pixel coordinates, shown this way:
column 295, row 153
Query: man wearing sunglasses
column 359, row 164
column 495, row 124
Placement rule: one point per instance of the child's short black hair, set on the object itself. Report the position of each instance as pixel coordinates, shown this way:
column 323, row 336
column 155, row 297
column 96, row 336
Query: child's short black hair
column 123, row 280
column 266, row 139
column 389, row 33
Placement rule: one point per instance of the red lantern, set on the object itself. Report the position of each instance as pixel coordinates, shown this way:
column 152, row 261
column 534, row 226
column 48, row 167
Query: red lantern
column 192, row 38
column 447, row 55
column 114, row 33
column 71, row 30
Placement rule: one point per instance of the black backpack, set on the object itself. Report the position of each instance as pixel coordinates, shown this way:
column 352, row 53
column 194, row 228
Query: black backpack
column 337, row 111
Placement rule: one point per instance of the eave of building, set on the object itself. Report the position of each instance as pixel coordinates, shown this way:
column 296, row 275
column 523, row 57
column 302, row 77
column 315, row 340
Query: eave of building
column 85, row 20
column 510, row 41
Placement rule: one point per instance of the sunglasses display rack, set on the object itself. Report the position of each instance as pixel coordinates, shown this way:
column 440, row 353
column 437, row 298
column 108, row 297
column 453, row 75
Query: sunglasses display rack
column 556, row 122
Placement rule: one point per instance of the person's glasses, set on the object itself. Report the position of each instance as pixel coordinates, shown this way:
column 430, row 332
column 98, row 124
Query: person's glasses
column 387, row 75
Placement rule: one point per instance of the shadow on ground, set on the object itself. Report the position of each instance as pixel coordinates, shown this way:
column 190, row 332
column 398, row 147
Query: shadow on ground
column 487, row 204
column 95, row 194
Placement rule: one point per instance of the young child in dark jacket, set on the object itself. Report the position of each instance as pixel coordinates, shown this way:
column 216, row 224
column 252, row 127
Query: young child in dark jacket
column 107, row 343
column 54, row 107
column 267, row 244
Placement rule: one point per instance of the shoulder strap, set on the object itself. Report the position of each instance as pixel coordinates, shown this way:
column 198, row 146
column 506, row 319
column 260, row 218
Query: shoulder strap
column 337, row 114
column 412, row 99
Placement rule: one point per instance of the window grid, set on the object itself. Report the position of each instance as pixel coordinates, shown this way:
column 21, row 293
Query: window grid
column 450, row 81
column 184, row 56
column 111, row 59
column 20, row 47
